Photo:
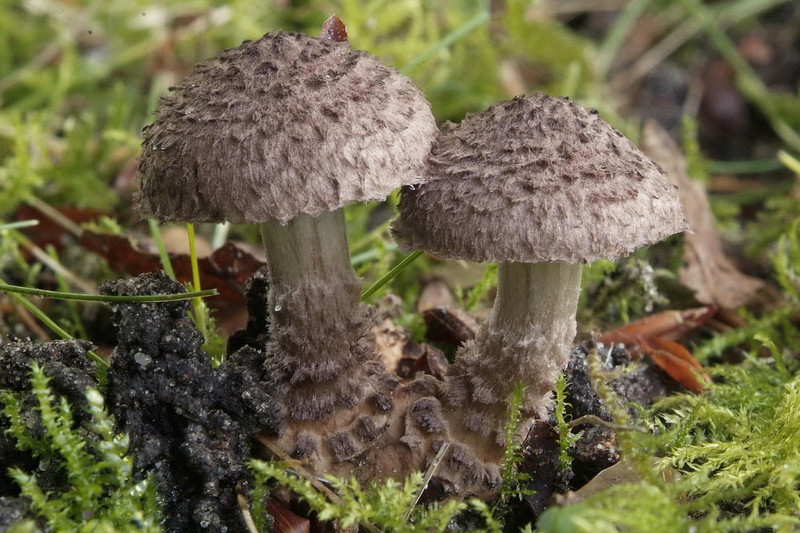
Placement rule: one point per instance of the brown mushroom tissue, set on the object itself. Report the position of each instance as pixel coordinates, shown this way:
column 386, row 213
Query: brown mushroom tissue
column 537, row 179
column 283, row 125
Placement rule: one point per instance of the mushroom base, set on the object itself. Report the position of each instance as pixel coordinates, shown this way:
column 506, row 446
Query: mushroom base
column 321, row 347
column 527, row 340
column 397, row 430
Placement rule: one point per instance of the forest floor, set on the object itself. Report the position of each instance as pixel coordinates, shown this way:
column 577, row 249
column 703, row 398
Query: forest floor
column 636, row 441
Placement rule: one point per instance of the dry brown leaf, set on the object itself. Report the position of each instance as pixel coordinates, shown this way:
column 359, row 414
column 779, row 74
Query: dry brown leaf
column 286, row 521
column 707, row 271
column 226, row 269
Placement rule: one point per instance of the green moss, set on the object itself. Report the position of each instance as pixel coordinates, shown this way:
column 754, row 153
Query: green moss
column 102, row 494
column 734, row 449
column 390, row 506
column 639, row 507
column 736, row 446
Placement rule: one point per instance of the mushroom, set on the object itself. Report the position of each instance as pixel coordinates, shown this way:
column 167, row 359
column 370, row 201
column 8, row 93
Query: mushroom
column 540, row 185
column 285, row 131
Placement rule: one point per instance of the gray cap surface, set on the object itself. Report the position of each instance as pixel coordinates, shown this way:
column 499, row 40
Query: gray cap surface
column 284, row 125
column 537, row 179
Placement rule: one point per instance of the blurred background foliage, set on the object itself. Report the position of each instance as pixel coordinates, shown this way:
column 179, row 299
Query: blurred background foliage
column 80, row 78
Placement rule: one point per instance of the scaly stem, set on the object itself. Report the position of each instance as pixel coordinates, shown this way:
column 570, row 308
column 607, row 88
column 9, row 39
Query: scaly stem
column 527, row 339
column 320, row 333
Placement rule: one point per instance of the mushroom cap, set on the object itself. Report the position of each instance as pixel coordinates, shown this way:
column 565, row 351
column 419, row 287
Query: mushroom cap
column 285, row 125
column 537, row 179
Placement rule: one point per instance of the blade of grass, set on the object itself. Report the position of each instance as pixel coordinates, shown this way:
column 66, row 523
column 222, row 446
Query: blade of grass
column 155, row 231
column 789, row 161
column 197, row 303
column 47, row 321
column 746, row 79
column 106, row 298
column 752, row 166
column 73, row 310
column 726, row 13
column 373, row 253
column 619, row 32
column 389, row 276
column 19, row 225
column 479, row 18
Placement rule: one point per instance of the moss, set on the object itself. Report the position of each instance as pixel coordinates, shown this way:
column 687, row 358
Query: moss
column 99, row 493
column 627, row 507
column 734, row 448
column 390, row 506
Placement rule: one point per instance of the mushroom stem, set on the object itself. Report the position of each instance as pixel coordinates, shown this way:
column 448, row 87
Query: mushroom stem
column 307, row 247
column 320, row 333
column 541, row 298
column 526, row 339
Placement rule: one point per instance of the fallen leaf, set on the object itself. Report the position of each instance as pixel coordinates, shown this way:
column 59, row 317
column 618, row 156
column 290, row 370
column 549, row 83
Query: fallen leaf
column 707, row 271
column 447, row 322
column 286, row 521
column 226, row 269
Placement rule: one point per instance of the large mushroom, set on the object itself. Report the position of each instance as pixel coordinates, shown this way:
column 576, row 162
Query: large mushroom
column 285, row 131
column 540, row 185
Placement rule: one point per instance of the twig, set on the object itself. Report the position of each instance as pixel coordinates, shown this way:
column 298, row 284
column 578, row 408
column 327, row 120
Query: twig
column 27, row 318
column 592, row 419
column 55, row 215
column 244, row 508
column 316, row 483
column 56, row 266
column 428, row 475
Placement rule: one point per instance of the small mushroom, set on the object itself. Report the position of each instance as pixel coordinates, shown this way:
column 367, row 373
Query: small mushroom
column 540, row 185
column 285, row 131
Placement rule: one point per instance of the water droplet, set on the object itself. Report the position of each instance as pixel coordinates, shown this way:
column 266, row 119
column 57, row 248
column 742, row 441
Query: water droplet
column 142, row 359
column 204, row 524
column 277, row 308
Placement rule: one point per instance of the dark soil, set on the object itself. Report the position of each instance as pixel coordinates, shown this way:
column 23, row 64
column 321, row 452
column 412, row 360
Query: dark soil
column 190, row 425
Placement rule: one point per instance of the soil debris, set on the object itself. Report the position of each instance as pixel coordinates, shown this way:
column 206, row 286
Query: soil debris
column 190, row 425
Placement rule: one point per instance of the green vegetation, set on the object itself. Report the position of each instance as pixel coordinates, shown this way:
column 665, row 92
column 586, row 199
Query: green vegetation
column 80, row 79
column 390, row 506
column 735, row 448
column 102, row 494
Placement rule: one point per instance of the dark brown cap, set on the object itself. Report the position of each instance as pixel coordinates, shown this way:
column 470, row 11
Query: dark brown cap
column 284, row 125
column 537, row 179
